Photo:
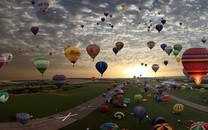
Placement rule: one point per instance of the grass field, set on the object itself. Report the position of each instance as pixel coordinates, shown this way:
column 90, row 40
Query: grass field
column 153, row 108
column 55, row 100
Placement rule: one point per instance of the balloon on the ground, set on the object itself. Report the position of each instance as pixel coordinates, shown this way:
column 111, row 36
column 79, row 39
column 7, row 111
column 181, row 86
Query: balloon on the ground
column 178, row 107
column 138, row 97
column 34, row 30
column 43, row 5
column 166, row 98
column 41, row 63
column 2, row 61
column 127, row 100
column 195, row 62
column 8, row 56
column 139, row 113
column 73, row 54
column 101, row 66
column 199, row 125
column 109, row 126
column 23, row 118
column 93, row 50
column 151, row 44
column 4, row 96
column 59, row 80
column 163, row 126
column 155, row 67
column 119, row 115
column 104, row 108
column 159, row 120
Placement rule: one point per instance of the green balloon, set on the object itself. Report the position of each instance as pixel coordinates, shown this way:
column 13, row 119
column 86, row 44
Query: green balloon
column 177, row 47
column 138, row 97
column 41, row 63
column 175, row 53
column 4, row 96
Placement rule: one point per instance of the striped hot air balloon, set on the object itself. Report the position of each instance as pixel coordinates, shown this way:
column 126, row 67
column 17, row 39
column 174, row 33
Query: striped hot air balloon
column 178, row 107
column 199, row 125
column 195, row 62
column 119, row 115
column 163, row 126
column 23, row 118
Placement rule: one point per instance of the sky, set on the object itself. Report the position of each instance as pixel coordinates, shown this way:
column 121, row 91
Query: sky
column 61, row 24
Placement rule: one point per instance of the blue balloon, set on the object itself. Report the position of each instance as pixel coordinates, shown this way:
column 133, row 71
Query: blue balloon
column 163, row 21
column 139, row 113
column 101, row 66
column 163, row 46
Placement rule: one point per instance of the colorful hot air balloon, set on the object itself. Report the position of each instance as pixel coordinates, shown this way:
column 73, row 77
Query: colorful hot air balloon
column 203, row 40
column 59, row 80
column 163, row 126
column 166, row 98
column 165, row 62
column 151, row 44
column 178, row 107
column 138, row 97
column 159, row 120
column 178, row 59
column 93, row 50
column 4, row 96
column 41, row 63
column 34, row 30
column 163, row 46
column 8, row 56
column 115, row 50
column 139, row 113
column 73, row 54
column 43, row 5
column 119, row 115
column 119, row 45
column 155, row 67
column 109, row 126
column 177, row 47
column 199, row 125
column 101, row 66
column 168, row 49
column 123, row 5
column 195, row 62
column 23, row 118
column 159, row 27
column 2, row 61
column 93, row 78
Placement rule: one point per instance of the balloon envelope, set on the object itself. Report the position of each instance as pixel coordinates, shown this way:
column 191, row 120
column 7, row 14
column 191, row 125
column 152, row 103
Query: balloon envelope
column 4, row 96
column 159, row 27
column 199, row 125
column 119, row 45
column 163, row 46
column 2, row 61
column 93, row 50
column 115, row 50
column 59, row 80
column 23, row 118
column 8, row 56
column 43, row 5
column 123, row 5
column 41, row 63
column 155, row 67
column 203, row 39
column 165, row 62
column 101, row 66
column 34, row 30
column 109, row 126
column 73, row 54
column 177, row 47
column 139, row 112
column 168, row 49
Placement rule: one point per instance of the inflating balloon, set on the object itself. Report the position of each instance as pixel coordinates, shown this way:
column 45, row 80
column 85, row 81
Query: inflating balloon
column 73, row 54
column 34, row 30
column 109, row 126
column 93, row 50
column 119, row 115
column 139, row 113
column 4, row 96
column 199, row 125
column 59, row 80
column 166, row 98
column 23, row 118
column 195, row 62
column 41, row 63
column 151, row 44
column 155, row 67
column 101, row 66
column 163, row 126
column 178, row 107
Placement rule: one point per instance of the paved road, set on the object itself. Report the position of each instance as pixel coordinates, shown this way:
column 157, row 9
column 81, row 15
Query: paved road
column 185, row 102
column 51, row 123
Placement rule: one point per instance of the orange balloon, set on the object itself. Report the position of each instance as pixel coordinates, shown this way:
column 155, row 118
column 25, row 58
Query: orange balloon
column 93, row 78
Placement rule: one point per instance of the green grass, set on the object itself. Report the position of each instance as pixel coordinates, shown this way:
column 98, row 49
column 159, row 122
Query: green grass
column 153, row 108
column 191, row 95
column 45, row 104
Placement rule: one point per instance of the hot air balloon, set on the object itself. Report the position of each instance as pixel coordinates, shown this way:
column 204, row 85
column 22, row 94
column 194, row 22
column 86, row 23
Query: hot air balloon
column 34, row 30
column 59, row 80
column 23, row 118
column 119, row 115
column 203, row 39
column 2, row 61
column 159, row 120
column 106, row 14
column 168, row 50
column 73, row 54
column 166, row 98
column 119, row 45
column 195, row 62
column 111, row 15
column 178, row 107
column 4, row 96
column 159, row 27
column 41, row 63
column 115, row 50
column 155, row 67
column 101, row 66
column 151, row 44
column 82, row 26
column 109, row 126
column 43, row 5
column 19, row 49
column 138, row 97
column 163, row 126
column 103, row 19
column 163, row 46
column 139, row 113
column 142, row 64
column 93, row 78
column 180, row 23
column 8, row 56
column 175, row 53
column 178, row 59
column 177, row 47
column 32, row 2
column 163, row 21
column 123, row 5
column 199, row 125
column 165, row 62
column 93, row 50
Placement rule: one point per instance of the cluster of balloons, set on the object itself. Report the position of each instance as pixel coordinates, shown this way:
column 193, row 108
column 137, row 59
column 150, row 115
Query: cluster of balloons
column 118, row 46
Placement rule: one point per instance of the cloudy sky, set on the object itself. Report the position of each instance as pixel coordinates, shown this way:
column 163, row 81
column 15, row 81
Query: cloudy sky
column 61, row 24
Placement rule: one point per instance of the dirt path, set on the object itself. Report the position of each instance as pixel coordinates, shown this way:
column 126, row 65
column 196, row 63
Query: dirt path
column 51, row 123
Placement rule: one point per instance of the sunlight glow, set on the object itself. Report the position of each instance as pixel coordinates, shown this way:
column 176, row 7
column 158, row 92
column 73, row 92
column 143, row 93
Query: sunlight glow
column 137, row 71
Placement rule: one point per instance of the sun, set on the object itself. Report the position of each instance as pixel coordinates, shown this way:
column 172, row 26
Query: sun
column 138, row 72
